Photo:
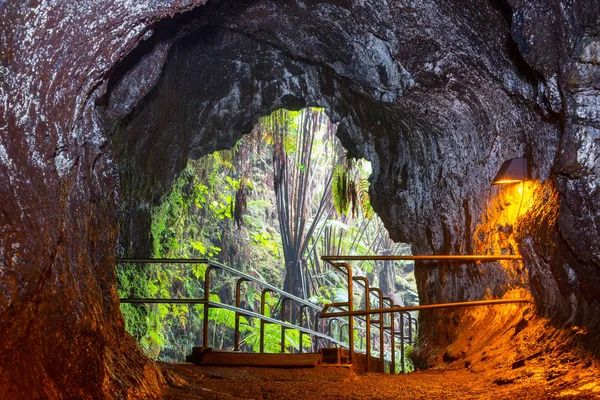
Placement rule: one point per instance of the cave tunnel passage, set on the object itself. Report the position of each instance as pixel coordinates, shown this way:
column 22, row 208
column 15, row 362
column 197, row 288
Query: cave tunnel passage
column 210, row 87
column 196, row 85
column 435, row 94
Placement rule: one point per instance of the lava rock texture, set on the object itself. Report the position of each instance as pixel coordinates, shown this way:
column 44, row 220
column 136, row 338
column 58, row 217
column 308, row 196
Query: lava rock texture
column 102, row 104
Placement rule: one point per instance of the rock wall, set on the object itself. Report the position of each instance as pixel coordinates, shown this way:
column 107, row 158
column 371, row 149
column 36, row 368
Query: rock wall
column 102, row 105
column 62, row 334
column 567, row 55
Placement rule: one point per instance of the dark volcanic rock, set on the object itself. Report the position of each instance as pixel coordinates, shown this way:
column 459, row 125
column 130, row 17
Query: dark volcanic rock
column 103, row 104
column 62, row 334
column 567, row 57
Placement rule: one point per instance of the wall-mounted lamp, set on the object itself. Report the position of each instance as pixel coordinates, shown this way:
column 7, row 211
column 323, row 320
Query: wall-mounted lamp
column 512, row 171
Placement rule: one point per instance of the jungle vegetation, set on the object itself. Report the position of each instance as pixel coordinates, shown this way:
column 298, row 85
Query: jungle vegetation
column 271, row 206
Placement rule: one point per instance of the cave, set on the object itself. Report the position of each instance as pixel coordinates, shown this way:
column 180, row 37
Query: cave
column 102, row 104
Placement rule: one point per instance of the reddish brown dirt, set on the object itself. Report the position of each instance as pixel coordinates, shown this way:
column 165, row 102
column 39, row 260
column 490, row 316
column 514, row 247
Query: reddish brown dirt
column 340, row 383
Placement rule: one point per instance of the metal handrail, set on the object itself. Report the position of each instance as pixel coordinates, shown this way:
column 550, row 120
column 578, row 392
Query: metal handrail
column 425, row 258
column 238, row 310
column 235, row 272
column 247, row 277
column 220, row 266
column 475, row 303
column 334, row 261
column 274, row 321
column 252, row 314
column 383, row 329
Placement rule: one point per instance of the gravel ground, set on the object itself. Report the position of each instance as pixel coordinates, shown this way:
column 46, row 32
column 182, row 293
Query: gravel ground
column 341, row 383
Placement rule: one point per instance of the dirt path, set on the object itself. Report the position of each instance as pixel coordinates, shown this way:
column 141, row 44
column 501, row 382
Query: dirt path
column 339, row 383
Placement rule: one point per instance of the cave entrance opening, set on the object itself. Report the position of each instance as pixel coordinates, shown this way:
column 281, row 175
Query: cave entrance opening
column 195, row 86
column 270, row 206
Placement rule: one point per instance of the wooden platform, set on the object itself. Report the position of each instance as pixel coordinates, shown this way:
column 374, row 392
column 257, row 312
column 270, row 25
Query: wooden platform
column 207, row 356
column 327, row 357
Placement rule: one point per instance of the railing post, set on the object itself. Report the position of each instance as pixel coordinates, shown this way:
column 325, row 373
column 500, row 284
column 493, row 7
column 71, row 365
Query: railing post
column 238, row 292
column 410, row 339
column 393, row 344
column 206, row 306
column 316, row 322
column 262, row 322
column 283, row 301
column 416, row 321
column 350, row 308
column 329, row 330
column 368, row 319
column 341, row 332
column 402, row 339
column 392, row 337
column 381, row 330
column 302, row 309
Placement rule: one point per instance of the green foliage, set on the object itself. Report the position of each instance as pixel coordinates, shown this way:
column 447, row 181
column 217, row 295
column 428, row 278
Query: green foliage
column 270, row 198
column 196, row 220
column 340, row 190
column 350, row 190
column 365, row 200
column 264, row 239
column 408, row 365
column 272, row 337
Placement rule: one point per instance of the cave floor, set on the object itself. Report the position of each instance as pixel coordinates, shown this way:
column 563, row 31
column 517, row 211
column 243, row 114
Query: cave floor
column 342, row 383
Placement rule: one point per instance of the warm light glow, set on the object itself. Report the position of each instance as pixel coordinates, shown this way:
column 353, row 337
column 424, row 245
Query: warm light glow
column 512, row 171
column 506, row 213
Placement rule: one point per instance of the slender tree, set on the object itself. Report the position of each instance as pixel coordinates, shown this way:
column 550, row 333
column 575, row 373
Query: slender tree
column 302, row 186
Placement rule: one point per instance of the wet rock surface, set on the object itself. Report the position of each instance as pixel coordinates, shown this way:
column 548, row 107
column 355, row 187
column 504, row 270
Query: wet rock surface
column 103, row 104
column 60, row 324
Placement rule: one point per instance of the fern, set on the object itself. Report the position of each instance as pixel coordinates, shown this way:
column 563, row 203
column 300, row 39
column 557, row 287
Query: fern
column 365, row 199
column 350, row 191
column 339, row 189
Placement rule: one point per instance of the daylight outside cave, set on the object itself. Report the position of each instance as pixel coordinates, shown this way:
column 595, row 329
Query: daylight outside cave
column 284, row 195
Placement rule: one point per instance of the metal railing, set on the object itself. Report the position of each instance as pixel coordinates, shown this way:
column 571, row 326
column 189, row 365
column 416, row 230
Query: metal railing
column 392, row 309
column 424, row 258
column 343, row 312
column 302, row 326
column 242, row 277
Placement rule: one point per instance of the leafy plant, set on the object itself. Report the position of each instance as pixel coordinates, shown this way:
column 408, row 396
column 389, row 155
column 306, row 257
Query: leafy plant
column 268, row 208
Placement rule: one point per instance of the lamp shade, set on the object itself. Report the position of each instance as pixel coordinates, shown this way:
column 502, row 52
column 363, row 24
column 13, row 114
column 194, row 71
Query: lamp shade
column 512, row 171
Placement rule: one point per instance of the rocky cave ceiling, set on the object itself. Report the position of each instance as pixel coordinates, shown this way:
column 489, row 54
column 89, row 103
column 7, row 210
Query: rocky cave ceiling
column 102, row 106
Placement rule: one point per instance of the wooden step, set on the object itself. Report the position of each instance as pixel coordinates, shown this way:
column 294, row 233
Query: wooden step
column 334, row 355
column 208, row 356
